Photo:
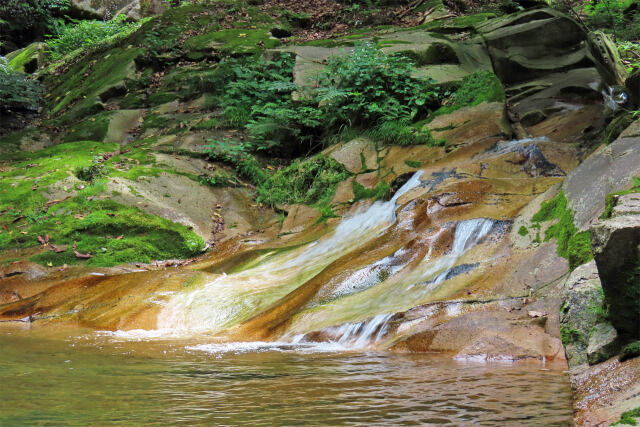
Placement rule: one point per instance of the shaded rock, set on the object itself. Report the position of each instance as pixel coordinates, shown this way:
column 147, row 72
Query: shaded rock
column 616, row 248
column 28, row 59
column 603, row 343
column 632, row 83
column 532, row 118
column 610, row 169
column 580, row 294
column 607, row 58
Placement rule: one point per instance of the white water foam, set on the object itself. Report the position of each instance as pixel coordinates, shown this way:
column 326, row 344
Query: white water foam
column 262, row 346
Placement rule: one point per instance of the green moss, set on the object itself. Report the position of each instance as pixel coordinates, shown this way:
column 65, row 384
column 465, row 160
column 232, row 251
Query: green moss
column 413, row 163
column 237, row 40
column 83, row 214
column 523, row 231
column 87, row 79
column 571, row 336
column 476, row 88
column 379, row 192
column 401, row 133
column 457, row 24
column 629, row 417
column 620, row 122
column 611, row 198
column 630, row 351
column 144, row 237
column 19, row 59
column 308, row 181
column 573, row 245
column 94, row 128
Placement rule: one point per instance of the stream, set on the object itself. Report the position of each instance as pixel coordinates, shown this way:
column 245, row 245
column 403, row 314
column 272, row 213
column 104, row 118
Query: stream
column 72, row 377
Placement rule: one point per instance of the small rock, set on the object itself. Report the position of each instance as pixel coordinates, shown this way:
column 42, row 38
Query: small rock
column 603, row 343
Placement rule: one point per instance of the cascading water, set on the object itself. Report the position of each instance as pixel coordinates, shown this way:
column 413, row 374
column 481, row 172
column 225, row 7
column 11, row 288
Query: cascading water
column 390, row 296
column 232, row 298
column 4, row 65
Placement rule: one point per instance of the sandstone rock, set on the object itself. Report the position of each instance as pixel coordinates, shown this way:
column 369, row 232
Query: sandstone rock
column 357, row 155
column 611, row 168
column 602, row 343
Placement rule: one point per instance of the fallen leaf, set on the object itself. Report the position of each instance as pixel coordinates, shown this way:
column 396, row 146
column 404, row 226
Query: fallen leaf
column 535, row 314
column 82, row 256
column 56, row 249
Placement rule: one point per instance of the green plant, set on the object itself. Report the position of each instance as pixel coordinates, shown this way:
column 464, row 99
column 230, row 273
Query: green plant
column 217, row 179
column 476, row 88
column 630, row 351
column 629, row 417
column 378, row 192
column 572, row 244
column 570, row 335
column 523, row 231
column 309, row 181
column 413, row 163
column 24, row 20
column 18, row 92
column 400, row 133
column 369, row 86
column 84, row 34
column 237, row 155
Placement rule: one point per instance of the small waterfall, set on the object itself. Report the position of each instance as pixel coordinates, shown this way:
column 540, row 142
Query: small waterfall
column 231, row 299
column 360, row 335
column 4, row 65
column 468, row 234
column 614, row 98
column 357, row 335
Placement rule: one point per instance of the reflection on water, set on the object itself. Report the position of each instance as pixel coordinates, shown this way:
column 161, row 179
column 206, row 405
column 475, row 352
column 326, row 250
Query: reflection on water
column 79, row 380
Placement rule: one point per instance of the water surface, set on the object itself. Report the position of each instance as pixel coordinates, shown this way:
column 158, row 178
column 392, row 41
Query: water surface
column 68, row 378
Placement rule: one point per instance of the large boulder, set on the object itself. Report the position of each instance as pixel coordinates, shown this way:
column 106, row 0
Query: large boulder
column 616, row 248
column 101, row 9
column 581, row 295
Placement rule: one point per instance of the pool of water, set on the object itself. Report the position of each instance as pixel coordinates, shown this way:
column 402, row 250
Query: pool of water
column 76, row 377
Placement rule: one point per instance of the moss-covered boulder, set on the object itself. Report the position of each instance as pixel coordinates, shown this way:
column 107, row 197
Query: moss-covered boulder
column 616, row 248
column 28, row 59
column 101, row 9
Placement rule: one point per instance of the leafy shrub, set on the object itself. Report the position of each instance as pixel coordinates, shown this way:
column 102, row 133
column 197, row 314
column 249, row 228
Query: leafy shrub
column 313, row 180
column 237, row 155
column 370, row 86
column 616, row 16
column 93, row 171
column 18, row 92
column 84, row 34
column 22, row 21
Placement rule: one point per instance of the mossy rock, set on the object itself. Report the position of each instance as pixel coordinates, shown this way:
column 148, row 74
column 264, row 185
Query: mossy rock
column 29, row 59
